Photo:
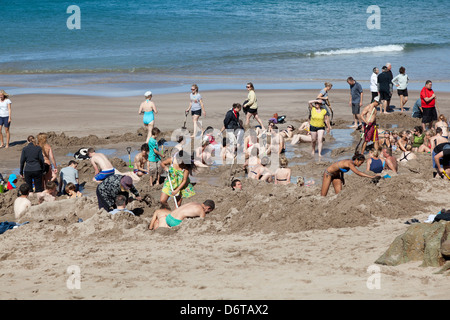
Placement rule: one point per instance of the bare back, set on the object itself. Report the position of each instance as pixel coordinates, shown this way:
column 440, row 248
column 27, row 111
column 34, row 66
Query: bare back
column 189, row 210
column 102, row 161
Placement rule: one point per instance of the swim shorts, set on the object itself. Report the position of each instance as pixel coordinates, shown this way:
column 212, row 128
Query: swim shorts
column 102, row 175
column 171, row 221
column 148, row 117
column 370, row 132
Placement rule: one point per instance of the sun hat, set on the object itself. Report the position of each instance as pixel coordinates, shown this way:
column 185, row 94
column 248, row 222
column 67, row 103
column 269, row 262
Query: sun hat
column 147, row 94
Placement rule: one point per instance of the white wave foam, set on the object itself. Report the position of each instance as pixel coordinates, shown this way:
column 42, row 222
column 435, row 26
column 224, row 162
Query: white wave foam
column 387, row 48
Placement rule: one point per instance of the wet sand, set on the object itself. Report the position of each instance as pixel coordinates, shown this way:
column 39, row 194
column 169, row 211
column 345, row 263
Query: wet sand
column 266, row 242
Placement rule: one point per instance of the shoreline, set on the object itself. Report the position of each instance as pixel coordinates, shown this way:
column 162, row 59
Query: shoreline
column 128, row 85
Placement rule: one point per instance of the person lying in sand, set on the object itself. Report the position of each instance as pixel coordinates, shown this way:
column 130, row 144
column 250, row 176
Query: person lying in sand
column 167, row 219
column 303, row 134
column 288, row 133
column 334, row 174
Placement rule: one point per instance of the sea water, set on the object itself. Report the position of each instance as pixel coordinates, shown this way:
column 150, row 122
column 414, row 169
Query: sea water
column 126, row 47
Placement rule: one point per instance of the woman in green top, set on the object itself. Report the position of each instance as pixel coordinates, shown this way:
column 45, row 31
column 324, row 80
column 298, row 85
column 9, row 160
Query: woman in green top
column 177, row 184
column 417, row 138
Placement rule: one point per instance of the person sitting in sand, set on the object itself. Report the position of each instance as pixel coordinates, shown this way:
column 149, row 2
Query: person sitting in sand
column 141, row 163
column 121, row 205
column 68, row 175
column 288, row 133
column 374, row 163
column 261, row 172
column 443, row 124
column 417, row 138
column 389, row 160
column 403, row 141
column 203, row 156
column 236, row 184
column 102, row 166
column 22, row 203
column 71, row 191
column 283, row 174
column 369, row 117
column 49, row 194
column 334, row 174
column 386, row 140
column 427, row 145
column 407, row 155
column 277, row 143
column 148, row 107
column 167, row 219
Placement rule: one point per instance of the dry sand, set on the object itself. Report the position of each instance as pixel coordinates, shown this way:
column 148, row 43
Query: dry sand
column 266, row 242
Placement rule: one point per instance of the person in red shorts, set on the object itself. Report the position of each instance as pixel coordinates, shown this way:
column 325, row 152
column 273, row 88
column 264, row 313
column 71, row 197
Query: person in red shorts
column 369, row 117
column 428, row 105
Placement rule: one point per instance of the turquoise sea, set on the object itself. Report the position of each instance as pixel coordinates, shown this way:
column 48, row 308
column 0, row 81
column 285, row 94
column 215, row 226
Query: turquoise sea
column 126, row 47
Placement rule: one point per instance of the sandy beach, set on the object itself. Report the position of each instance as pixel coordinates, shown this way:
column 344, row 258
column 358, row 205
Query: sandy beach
column 266, row 242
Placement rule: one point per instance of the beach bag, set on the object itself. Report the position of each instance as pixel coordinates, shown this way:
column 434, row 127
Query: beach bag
column 245, row 109
column 81, row 154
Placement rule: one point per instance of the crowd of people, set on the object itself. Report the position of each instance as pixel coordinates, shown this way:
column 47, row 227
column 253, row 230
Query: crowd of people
column 259, row 146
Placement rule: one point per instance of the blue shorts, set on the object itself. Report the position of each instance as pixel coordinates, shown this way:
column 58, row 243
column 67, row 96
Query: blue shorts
column 4, row 121
column 102, row 175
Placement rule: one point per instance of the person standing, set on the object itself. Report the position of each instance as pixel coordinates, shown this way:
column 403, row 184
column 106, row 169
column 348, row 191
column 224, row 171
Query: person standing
column 250, row 106
column 356, row 100
column 49, row 159
column 401, row 82
column 428, row 105
column 148, row 107
column 233, row 128
column 319, row 120
column 196, row 107
column 323, row 95
column 384, row 87
column 374, row 83
column 391, row 76
column 32, row 165
column 5, row 117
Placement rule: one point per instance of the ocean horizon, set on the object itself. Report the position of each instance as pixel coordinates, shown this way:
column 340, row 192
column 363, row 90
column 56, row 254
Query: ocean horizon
column 164, row 46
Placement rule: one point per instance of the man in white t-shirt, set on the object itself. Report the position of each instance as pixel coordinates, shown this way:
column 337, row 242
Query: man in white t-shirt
column 374, row 83
column 5, row 117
